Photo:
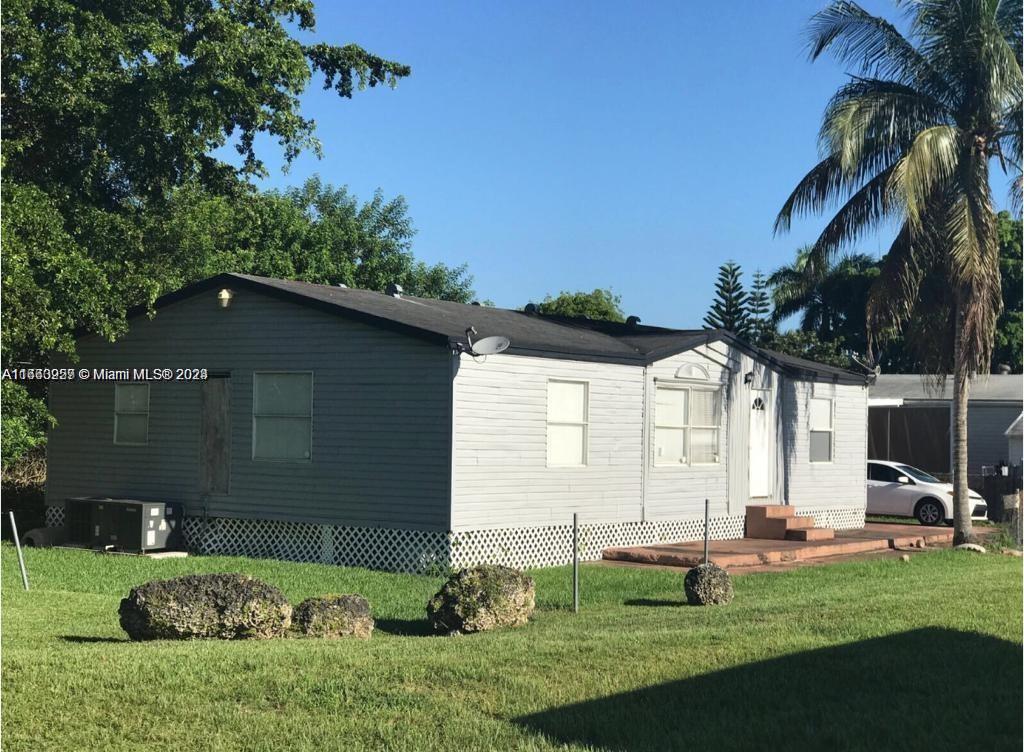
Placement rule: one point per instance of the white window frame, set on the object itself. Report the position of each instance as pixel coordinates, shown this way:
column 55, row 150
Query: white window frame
column 300, row 460
column 688, row 426
column 831, row 430
column 118, row 413
column 585, row 424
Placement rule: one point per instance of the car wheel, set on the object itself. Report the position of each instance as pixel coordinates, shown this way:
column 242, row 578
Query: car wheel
column 930, row 512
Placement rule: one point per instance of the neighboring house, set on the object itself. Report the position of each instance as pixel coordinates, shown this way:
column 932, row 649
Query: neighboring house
column 910, row 420
column 353, row 427
column 1014, row 446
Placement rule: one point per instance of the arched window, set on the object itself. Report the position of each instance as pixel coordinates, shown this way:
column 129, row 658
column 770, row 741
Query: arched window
column 691, row 371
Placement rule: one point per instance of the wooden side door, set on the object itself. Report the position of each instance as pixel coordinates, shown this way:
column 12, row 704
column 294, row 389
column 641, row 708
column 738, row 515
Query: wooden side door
column 215, row 436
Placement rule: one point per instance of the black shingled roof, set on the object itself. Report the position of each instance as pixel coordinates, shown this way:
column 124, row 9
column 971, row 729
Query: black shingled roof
column 533, row 334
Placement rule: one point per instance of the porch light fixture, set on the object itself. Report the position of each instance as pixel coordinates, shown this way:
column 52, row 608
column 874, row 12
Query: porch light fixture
column 224, row 297
column 748, row 377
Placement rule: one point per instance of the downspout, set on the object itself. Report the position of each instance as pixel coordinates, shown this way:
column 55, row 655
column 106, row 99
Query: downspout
column 644, row 450
column 453, row 370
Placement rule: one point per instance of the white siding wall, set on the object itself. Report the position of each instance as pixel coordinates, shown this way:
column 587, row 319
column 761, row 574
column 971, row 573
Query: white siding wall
column 501, row 478
column 679, row 492
column 500, row 473
column 380, row 454
column 840, row 483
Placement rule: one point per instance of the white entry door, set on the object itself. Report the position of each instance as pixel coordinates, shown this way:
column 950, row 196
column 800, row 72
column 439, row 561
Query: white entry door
column 762, row 444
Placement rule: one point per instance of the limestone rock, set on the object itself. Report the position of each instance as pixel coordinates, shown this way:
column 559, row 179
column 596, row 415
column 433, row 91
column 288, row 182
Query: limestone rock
column 482, row 598
column 334, row 616
column 708, row 585
column 196, row 606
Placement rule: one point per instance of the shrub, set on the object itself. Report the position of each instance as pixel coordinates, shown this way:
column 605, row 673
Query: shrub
column 482, row 598
column 221, row 606
column 708, row 585
column 334, row 616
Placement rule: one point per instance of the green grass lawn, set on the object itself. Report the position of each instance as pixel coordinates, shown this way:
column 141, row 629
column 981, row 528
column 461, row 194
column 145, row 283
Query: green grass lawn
column 868, row 655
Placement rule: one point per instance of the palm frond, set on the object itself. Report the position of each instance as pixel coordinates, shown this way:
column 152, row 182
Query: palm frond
column 864, row 211
column 874, row 45
column 973, row 265
column 813, row 193
column 929, row 163
column 893, row 296
column 870, row 122
column 1008, row 20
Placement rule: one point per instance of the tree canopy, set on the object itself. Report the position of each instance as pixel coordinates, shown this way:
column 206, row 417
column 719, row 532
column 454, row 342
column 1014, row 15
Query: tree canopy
column 119, row 183
column 110, row 111
column 910, row 139
column 729, row 308
column 599, row 304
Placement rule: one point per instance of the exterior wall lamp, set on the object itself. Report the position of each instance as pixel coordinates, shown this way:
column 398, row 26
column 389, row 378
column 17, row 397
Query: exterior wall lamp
column 224, row 297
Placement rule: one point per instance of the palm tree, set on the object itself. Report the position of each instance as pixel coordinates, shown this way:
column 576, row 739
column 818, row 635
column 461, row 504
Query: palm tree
column 830, row 298
column 910, row 139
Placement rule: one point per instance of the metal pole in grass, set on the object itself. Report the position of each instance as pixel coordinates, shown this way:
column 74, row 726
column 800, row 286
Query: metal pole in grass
column 707, row 514
column 575, row 563
column 17, row 545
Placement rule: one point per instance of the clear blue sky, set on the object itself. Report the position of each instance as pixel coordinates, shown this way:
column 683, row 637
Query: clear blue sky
column 576, row 145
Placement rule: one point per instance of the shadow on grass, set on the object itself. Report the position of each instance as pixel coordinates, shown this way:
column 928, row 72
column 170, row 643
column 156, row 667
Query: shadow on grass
column 927, row 689
column 405, row 627
column 650, row 602
column 88, row 639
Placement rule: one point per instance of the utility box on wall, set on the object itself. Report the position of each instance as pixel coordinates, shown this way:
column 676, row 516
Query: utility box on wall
column 126, row 524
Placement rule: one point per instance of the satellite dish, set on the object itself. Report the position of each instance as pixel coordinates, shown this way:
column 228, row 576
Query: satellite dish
column 490, row 345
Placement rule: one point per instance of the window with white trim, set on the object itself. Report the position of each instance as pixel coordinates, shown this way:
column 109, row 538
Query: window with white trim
column 821, row 429
column 131, row 414
column 568, row 423
column 686, row 425
column 282, row 416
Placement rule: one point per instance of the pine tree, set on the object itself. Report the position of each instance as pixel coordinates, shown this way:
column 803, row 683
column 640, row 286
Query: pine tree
column 729, row 311
column 759, row 310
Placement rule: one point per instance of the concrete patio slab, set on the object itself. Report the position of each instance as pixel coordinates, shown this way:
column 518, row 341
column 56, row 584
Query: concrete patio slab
column 753, row 552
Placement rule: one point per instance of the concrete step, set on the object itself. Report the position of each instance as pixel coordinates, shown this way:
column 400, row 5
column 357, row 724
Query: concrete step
column 811, row 534
column 775, row 528
column 769, row 511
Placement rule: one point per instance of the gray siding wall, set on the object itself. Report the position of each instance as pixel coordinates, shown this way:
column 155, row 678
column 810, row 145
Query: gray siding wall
column 500, row 473
column 842, row 482
column 986, row 434
column 381, row 427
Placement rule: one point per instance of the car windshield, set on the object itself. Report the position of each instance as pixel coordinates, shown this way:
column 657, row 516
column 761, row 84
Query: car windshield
column 916, row 474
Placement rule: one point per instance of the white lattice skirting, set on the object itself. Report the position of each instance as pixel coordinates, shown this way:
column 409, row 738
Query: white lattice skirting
column 400, row 550
column 837, row 518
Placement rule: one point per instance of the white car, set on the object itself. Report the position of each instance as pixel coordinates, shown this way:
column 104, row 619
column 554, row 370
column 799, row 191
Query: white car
column 900, row 490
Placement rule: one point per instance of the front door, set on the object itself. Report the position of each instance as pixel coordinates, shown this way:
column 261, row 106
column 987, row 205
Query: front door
column 762, row 444
column 215, row 435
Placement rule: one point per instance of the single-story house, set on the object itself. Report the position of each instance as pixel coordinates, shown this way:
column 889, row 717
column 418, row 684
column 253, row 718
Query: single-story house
column 910, row 420
column 325, row 423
